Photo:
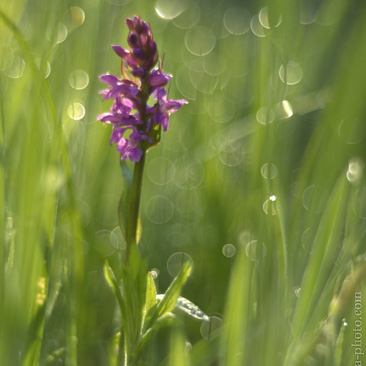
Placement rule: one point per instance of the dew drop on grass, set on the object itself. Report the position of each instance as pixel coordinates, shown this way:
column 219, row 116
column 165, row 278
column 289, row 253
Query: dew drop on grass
column 79, row 79
column 200, row 40
column 103, row 243
column 188, row 173
column 57, row 35
column 154, row 273
column 269, row 171
column 191, row 309
column 231, row 153
column 265, row 115
column 256, row 27
column 159, row 209
column 16, row 69
column 291, row 73
column 189, row 18
column 297, row 291
column 255, row 250
column 284, row 110
column 77, row 16
column 117, row 238
column 236, row 20
column 76, row 111
column 170, row 9
column 269, row 206
column 265, row 21
column 228, row 250
column 306, row 197
column 355, row 170
column 176, row 261
column 210, row 327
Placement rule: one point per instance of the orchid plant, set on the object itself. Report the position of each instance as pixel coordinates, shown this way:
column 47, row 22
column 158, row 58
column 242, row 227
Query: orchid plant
column 137, row 128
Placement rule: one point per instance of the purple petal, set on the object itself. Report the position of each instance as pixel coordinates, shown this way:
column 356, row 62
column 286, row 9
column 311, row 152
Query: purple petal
column 171, row 106
column 109, row 79
column 159, row 79
column 162, row 119
column 120, row 51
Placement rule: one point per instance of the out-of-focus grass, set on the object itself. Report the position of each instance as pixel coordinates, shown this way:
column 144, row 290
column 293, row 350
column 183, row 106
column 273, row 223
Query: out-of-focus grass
column 268, row 161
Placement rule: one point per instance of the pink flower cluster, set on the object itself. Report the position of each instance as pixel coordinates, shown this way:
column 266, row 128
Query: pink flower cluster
column 130, row 112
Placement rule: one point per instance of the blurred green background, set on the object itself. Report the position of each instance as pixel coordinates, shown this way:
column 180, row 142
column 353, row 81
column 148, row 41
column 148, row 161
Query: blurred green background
column 262, row 169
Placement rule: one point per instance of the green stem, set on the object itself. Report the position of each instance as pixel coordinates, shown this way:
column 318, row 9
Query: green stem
column 134, row 205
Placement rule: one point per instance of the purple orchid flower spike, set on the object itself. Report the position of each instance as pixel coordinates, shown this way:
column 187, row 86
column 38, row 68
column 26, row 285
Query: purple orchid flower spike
column 130, row 110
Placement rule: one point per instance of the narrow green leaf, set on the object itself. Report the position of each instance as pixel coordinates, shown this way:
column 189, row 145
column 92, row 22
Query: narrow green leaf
column 169, row 301
column 112, row 281
column 150, row 300
column 163, row 321
column 339, row 345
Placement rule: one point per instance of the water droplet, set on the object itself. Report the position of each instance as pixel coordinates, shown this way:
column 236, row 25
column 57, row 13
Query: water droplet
column 228, row 250
column 291, row 73
column 79, row 79
column 76, row 111
column 244, row 237
column 210, row 327
column 203, row 81
column 117, row 238
column 213, row 64
column 103, row 243
column 160, row 170
column 269, row 171
column 269, row 206
column 351, row 131
column 236, row 20
column 189, row 18
column 297, row 291
column 77, row 16
column 284, row 110
column 231, row 153
column 200, row 40
column 188, row 173
column 154, row 273
column 355, row 170
column 255, row 250
column 191, row 309
column 57, row 35
column 159, row 209
column 265, row 21
column 170, row 9
column 176, row 261
column 265, row 115
column 16, row 69
column 306, row 197
column 256, row 27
